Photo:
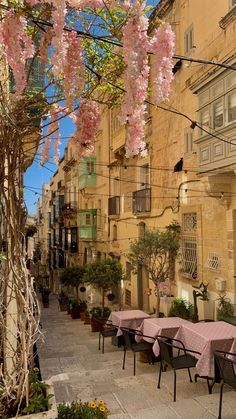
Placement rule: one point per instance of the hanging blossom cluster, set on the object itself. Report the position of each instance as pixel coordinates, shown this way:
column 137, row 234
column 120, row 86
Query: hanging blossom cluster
column 162, row 46
column 17, row 46
column 79, row 4
column 67, row 64
column 53, row 134
column 73, row 69
column 45, row 43
column 135, row 45
column 87, row 123
column 59, row 43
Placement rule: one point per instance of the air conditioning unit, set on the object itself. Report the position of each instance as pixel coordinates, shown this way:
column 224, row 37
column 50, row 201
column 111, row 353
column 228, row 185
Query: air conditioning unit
column 220, row 284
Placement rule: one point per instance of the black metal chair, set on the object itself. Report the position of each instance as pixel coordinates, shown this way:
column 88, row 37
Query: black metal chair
column 179, row 362
column 106, row 330
column 130, row 343
column 225, row 367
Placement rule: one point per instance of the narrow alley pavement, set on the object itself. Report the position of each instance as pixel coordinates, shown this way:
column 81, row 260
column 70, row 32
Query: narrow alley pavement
column 69, row 357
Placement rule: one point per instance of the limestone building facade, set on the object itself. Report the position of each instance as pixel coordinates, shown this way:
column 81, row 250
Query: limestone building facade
column 188, row 174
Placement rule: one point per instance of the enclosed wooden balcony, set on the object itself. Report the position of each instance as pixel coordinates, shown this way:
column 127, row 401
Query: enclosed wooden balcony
column 87, row 222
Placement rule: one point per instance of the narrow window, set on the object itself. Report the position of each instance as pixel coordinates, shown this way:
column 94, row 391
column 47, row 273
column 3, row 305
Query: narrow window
column 188, row 141
column 114, row 232
column 144, row 176
column 204, row 119
column 232, row 107
column 218, row 116
column 188, row 40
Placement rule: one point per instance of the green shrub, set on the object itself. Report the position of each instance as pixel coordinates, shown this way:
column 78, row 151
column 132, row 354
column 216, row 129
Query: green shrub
column 181, row 308
column 226, row 309
column 38, row 397
column 99, row 312
column 83, row 410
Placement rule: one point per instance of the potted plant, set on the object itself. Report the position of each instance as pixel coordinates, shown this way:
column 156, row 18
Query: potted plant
column 98, row 315
column 82, row 309
column 103, row 275
column 73, row 277
column 41, row 399
column 75, row 309
column 156, row 252
column 203, row 307
column 95, row 409
column 87, row 319
column 63, row 300
column 166, row 297
column 45, row 296
column 225, row 308
column 181, row 308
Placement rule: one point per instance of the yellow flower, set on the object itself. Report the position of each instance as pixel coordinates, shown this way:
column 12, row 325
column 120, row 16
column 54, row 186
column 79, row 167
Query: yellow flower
column 93, row 405
column 35, row 369
column 102, row 408
column 101, row 402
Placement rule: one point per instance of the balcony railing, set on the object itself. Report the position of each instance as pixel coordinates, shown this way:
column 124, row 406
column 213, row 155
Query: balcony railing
column 142, row 200
column 114, row 205
column 69, row 207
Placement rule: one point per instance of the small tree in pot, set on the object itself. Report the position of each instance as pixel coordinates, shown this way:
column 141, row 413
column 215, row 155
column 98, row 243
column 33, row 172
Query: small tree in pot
column 103, row 275
column 73, row 276
column 156, row 252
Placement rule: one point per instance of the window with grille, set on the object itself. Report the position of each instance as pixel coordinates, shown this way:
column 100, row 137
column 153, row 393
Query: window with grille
column 127, row 297
column 213, row 262
column 189, row 245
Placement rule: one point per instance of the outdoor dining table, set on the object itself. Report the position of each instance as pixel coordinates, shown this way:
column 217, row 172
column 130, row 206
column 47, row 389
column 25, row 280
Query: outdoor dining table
column 166, row 326
column 207, row 338
column 127, row 318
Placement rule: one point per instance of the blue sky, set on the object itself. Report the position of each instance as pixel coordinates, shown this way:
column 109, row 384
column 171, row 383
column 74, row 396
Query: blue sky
column 37, row 175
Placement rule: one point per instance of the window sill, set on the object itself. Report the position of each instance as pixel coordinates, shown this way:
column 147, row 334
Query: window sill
column 228, row 18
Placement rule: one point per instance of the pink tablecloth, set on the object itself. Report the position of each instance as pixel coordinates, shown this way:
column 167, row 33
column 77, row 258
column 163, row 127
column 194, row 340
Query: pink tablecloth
column 127, row 318
column 167, row 326
column 207, row 338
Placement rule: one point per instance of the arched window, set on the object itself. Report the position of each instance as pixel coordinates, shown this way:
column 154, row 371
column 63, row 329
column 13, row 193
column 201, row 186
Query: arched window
column 141, row 229
column 114, row 232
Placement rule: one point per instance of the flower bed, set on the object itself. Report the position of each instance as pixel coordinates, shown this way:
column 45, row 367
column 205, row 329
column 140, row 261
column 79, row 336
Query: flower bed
column 83, row 410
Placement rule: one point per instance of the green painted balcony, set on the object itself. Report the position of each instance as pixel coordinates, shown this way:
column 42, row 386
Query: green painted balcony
column 87, row 172
column 87, row 222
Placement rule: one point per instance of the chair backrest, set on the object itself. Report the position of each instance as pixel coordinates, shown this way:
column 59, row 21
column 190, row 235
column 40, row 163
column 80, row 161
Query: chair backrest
column 226, row 368
column 127, row 338
column 165, row 350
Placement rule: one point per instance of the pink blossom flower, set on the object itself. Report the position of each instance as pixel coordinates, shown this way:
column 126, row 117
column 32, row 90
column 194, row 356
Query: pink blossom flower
column 135, row 47
column 59, row 40
column 53, row 134
column 87, row 124
column 162, row 46
column 17, row 47
column 73, row 69
column 79, row 4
